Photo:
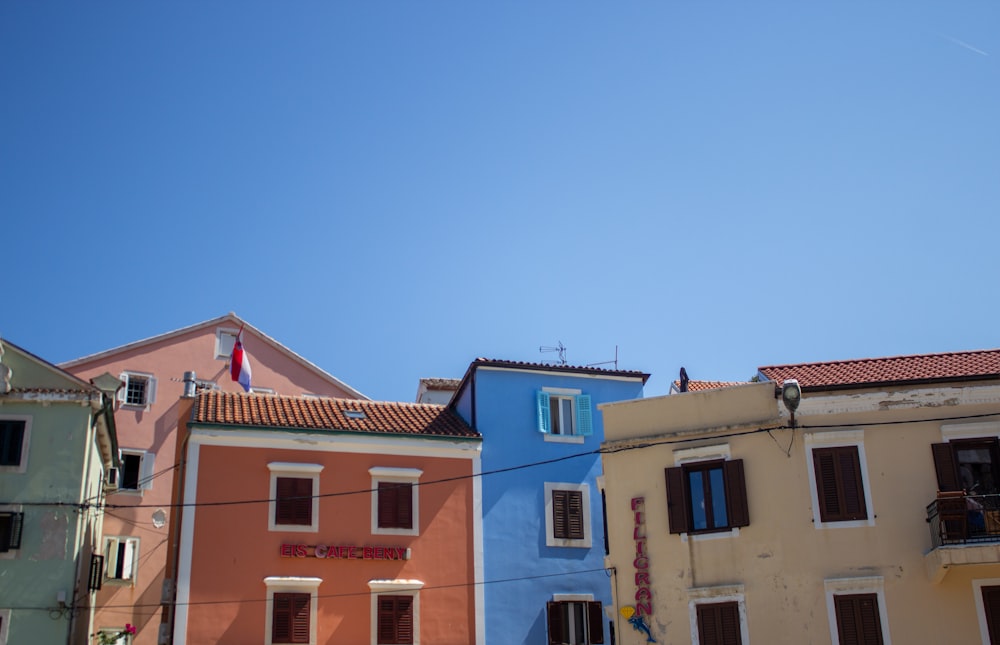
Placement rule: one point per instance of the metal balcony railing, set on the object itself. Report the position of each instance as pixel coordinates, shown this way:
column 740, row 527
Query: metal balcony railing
column 957, row 518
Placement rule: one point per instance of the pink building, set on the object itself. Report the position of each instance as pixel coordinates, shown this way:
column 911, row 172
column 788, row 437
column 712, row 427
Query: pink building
column 309, row 520
column 139, row 531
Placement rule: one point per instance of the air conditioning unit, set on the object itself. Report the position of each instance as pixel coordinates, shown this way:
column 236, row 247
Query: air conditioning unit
column 111, row 480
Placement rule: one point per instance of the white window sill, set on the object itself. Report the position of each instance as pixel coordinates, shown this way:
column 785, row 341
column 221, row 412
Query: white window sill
column 716, row 535
column 563, row 438
column 850, row 524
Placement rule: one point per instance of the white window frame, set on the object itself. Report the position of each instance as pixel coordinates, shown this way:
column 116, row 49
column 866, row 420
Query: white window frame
column 261, row 390
column 838, row 439
column 289, row 584
column 224, row 348
column 712, row 595
column 578, row 599
column 25, row 443
column 395, row 588
column 977, row 593
column 145, row 477
column 4, row 625
column 588, row 528
column 112, row 542
column 564, row 393
column 851, row 586
column 400, row 476
column 695, row 455
column 298, row 471
column 150, row 390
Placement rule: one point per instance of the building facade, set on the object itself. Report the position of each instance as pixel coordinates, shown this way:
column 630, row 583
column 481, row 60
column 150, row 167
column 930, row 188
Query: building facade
column 541, row 532
column 317, row 520
column 139, row 531
column 734, row 519
column 57, row 442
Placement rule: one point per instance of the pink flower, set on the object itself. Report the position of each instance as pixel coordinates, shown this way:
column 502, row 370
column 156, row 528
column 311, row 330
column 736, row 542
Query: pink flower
column 129, row 628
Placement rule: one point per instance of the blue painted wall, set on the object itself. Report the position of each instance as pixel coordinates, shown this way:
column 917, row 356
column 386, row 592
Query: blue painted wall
column 514, row 531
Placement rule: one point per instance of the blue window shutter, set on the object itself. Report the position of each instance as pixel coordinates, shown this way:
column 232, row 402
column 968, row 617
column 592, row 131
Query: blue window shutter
column 584, row 418
column 544, row 414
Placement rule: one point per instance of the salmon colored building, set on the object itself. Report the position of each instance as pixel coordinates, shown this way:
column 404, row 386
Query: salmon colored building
column 137, row 582
column 320, row 520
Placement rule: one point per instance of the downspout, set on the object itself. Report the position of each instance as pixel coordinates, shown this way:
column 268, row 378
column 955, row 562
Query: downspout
column 180, row 453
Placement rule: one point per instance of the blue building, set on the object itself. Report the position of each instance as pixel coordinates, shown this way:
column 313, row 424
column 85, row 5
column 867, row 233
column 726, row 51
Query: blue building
column 542, row 532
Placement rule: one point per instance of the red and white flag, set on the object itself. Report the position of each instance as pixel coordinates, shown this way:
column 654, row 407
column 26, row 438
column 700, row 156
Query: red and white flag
column 239, row 363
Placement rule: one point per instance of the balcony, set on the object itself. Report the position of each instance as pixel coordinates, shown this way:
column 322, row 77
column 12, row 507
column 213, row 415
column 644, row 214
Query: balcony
column 965, row 530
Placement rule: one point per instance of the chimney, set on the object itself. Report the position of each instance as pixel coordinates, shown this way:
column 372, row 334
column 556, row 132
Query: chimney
column 190, row 385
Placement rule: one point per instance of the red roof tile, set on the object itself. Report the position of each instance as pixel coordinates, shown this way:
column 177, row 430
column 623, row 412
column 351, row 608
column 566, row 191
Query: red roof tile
column 700, row 386
column 956, row 366
column 262, row 410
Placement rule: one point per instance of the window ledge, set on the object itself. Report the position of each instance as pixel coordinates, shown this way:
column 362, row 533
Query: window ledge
column 563, row 438
column 712, row 535
column 848, row 524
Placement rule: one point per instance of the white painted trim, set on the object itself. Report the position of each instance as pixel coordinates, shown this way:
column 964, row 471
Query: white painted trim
column 564, row 438
column 977, row 597
column 288, row 584
column 399, row 475
column 183, row 594
column 297, row 471
column 702, row 453
column 25, row 442
column 572, row 597
column 566, row 391
column 292, row 467
column 957, row 431
column 934, row 398
column 836, row 439
column 588, row 529
column 714, row 535
column 848, row 586
column 712, row 595
column 283, row 439
column 395, row 588
column 229, row 331
column 477, row 548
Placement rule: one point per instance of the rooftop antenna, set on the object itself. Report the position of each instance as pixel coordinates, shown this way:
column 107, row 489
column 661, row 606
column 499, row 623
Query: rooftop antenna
column 560, row 348
column 614, row 362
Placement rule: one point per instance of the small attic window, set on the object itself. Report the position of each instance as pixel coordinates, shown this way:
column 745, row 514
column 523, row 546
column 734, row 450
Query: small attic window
column 355, row 414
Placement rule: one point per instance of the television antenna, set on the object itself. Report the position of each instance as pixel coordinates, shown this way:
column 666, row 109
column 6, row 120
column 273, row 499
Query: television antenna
column 614, row 362
column 559, row 348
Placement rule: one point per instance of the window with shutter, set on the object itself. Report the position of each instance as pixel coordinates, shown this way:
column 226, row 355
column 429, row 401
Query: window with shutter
column 290, row 618
column 567, row 515
column 991, row 608
column 858, row 621
column 706, row 496
column 565, row 413
column 137, row 389
column 719, row 623
column 575, row 623
column 839, row 485
column 10, row 531
column 120, row 557
column 395, row 620
column 293, row 501
column 968, row 464
column 395, row 505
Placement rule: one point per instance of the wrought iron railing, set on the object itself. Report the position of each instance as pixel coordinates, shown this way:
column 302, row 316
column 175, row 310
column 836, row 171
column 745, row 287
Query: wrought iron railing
column 957, row 518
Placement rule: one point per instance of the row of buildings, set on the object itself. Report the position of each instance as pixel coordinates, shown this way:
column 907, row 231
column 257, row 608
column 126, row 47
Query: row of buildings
column 146, row 499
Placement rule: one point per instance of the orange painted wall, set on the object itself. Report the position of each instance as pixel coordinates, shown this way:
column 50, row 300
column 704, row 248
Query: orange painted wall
column 155, row 430
column 234, row 551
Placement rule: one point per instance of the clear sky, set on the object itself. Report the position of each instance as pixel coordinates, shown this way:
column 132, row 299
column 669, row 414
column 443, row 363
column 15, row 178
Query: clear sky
column 392, row 188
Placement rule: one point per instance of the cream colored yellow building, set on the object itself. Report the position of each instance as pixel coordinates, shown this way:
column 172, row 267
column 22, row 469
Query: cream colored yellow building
column 730, row 521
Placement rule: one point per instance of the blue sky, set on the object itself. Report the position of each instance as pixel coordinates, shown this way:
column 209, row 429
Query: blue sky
column 394, row 188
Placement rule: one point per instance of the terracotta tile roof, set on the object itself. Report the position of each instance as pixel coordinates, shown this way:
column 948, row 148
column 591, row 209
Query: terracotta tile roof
column 350, row 415
column 956, row 366
column 549, row 367
column 700, row 386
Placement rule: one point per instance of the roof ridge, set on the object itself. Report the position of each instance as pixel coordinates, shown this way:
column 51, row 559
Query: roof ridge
column 881, row 358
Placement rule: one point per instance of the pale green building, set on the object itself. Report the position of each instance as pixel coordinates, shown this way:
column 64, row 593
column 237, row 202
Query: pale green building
column 57, row 450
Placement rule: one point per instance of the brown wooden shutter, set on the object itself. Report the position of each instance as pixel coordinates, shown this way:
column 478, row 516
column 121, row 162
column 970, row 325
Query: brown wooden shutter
column 290, row 618
column 677, row 515
column 574, row 515
column 293, row 503
column 858, row 621
column 558, row 629
column 946, row 467
column 395, row 505
column 395, row 620
column 719, row 623
column 736, row 493
column 595, row 620
column 839, row 485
